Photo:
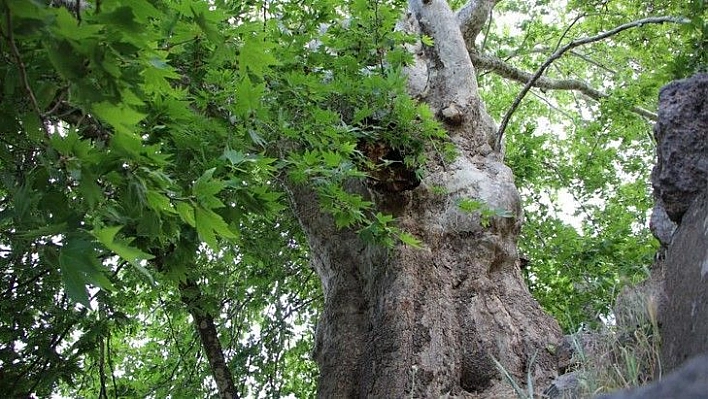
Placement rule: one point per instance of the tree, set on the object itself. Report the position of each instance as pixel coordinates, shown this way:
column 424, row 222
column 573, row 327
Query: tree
column 188, row 156
column 431, row 319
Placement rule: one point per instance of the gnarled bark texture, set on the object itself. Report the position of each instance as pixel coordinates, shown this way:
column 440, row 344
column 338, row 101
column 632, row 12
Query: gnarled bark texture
column 428, row 322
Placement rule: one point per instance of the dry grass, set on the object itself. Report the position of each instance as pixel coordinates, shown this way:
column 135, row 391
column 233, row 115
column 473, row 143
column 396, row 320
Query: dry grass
column 622, row 356
column 618, row 357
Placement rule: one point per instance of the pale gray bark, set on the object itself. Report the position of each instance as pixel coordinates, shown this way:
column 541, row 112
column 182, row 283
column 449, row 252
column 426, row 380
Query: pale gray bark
column 472, row 18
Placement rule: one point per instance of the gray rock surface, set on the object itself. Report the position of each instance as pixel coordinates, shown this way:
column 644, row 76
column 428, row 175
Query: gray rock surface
column 681, row 171
column 564, row 386
column 661, row 226
column 679, row 281
column 680, row 181
column 688, row 382
column 684, row 316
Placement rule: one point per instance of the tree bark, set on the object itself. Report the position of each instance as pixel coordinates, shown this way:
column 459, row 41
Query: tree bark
column 204, row 322
column 429, row 322
column 194, row 301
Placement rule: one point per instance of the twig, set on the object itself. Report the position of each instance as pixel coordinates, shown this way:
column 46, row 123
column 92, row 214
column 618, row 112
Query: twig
column 567, row 29
column 486, row 33
column 57, row 103
column 570, row 46
column 551, row 105
column 23, row 70
column 546, row 49
column 505, row 70
column 593, row 62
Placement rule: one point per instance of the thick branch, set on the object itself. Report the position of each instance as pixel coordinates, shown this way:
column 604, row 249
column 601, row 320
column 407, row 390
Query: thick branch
column 456, row 77
column 496, row 65
column 570, row 46
column 472, row 18
column 192, row 297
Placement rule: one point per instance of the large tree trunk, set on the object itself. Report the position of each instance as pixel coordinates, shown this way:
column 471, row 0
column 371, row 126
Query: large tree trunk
column 428, row 322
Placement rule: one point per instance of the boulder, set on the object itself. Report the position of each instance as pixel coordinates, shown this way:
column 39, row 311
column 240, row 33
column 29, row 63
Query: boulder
column 680, row 218
column 679, row 280
column 661, row 226
column 681, row 171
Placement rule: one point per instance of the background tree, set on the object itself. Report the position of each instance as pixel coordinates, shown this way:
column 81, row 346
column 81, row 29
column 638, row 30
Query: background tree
column 152, row 150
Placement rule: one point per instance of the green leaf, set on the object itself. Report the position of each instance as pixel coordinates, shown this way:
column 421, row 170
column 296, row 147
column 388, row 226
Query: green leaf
column 470, row 205
column 208, row 223
column 255, row 56
column 80, row 266
column 67, row 26
column 127, row 143
column 383, row 219
column 143, row 10
column 159, row 202
column 90, row 190
column 427, row 40
column 248, row 98
column 186, row 213
column 66, row 60
column 206, row 188
column 205, row 231
column 122, row 248
column 122, row 18
column 121, row 117
column 207, row 27
column 26, row 9
column 409, row 239
column 75, row 284
column 206, row 184
column 235, row 157
column 33, row 127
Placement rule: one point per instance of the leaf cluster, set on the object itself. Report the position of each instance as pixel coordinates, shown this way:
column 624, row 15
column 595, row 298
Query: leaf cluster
column 143, row 148
column 128, row 141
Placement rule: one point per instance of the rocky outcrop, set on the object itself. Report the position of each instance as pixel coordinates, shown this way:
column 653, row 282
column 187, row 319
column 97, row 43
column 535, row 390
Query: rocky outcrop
column 681, row 170
column 684, row 317
column 680, row 180
column 678, row 286
column 689, row 382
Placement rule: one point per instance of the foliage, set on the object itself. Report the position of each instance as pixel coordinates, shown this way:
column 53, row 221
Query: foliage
column 486, row 213
column 144, row 143
column 694, row 58
column 122, row 136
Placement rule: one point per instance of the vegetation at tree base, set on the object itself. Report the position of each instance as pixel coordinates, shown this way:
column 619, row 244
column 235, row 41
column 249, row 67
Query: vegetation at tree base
column 144, row 145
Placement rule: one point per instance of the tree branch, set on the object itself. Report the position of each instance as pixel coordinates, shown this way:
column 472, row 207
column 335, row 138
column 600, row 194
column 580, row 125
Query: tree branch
column 547, row 49
column 9, row 37
column 570, row 46
column 472, row 18
column 192, row 297
column 501, row 68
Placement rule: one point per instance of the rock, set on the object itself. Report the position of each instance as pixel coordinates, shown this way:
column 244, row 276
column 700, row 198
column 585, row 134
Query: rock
column 688, row 382
column 684, row 316
column 661, row 226
column 564, row 386
column 680, row 180
column 681, row 171
column 679, row 282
